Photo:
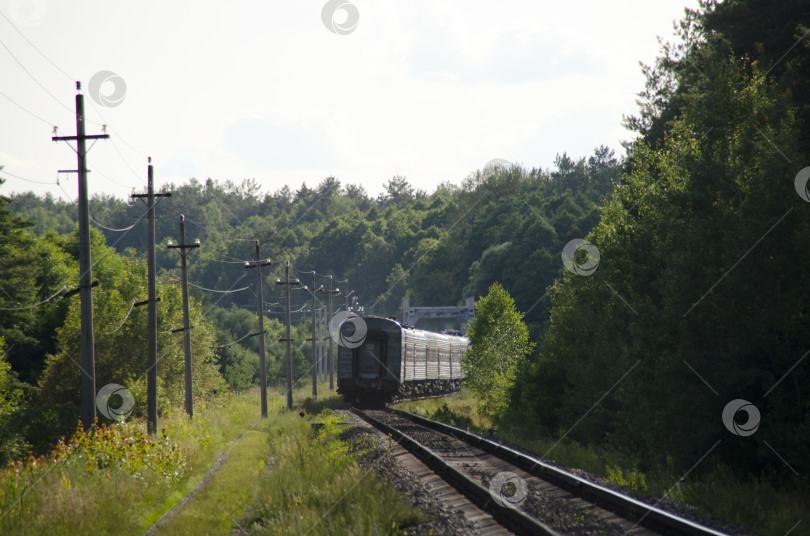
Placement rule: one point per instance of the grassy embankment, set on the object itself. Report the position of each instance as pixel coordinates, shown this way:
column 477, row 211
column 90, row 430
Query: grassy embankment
column 757, row 505
column 119, row 481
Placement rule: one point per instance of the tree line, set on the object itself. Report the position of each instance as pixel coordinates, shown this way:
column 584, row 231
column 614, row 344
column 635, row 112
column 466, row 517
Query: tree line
column 502, row 223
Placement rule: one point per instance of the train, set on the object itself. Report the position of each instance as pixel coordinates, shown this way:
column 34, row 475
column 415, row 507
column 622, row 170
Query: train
column 379, row 360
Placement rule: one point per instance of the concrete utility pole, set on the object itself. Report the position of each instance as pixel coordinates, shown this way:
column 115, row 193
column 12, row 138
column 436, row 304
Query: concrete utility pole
column 151, row 269
column 182, row 246
column 85, row 276
column 329, row 313
column 314, row 292
column 322, row 341
column 317, row 344
column 287, row 283
column 258, row 263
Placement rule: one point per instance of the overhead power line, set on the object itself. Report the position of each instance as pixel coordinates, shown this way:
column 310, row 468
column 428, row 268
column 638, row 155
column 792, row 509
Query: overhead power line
column 69, row 77
column 35, row 48
column 24, row 179
column 34, row 78
column 115, row 230
column 240, row 339
column 131, row 307
column 219, row 291
column 58, row 292
column 24, row 109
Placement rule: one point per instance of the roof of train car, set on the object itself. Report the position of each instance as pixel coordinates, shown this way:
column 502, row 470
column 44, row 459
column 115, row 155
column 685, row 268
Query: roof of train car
column 381, row 320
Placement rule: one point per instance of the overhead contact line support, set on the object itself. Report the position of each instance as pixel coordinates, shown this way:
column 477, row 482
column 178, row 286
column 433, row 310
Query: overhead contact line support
column 258, row 263
column 181, row 249
column 85, row 276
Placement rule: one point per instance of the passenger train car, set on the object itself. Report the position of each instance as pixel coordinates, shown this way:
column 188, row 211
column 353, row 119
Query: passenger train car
column 380, row 360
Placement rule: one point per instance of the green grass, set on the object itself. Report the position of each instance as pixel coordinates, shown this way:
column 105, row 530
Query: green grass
column 225, row 497
column 460, row 409
column 118, row 481
column 75, row 496
column 315, row 486
column 757, row 504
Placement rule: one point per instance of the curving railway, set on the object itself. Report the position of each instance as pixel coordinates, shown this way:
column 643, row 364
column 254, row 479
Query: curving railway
column 522, row 494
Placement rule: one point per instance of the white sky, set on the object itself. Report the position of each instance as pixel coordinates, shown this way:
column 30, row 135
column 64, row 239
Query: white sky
column 426, row 89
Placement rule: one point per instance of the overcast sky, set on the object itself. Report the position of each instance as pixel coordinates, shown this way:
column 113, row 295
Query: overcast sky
column 288, row 92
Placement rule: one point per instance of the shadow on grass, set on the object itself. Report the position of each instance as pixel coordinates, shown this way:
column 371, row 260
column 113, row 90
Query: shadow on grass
column 314, row 407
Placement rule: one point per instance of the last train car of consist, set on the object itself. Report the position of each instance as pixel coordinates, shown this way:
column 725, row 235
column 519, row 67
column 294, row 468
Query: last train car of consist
column 380, row 360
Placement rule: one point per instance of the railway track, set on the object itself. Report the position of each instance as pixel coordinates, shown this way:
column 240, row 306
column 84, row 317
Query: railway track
column 520, row 492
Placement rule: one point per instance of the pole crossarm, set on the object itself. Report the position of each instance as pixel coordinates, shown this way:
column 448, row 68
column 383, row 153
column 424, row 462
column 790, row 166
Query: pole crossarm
column 144, row 302
column 78, row 289
column 183, row 247
column 254, row 264
column 163, row 194
column 76, row 138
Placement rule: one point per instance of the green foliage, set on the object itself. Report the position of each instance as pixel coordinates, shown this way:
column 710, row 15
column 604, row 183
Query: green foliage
column 7, row 402
column 122, row 446
column 499, row 344
column 405, row 242
column 120, row 333
column 239, row 361
column 11, row 445
column 701, row 248
column 630, row 478
column 31, row 271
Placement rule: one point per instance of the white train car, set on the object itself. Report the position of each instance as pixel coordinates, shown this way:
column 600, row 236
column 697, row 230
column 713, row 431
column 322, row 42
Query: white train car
column 390, row 361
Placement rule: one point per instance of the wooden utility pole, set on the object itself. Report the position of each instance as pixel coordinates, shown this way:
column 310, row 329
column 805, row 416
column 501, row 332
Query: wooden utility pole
column 151, row 269
column 287, row 283
column 258, row 263
column 182, row 246
column 85, row 266
column 314, row 339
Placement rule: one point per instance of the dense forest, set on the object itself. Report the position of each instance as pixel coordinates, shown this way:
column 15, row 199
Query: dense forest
column 503, row 223
column 698, row 297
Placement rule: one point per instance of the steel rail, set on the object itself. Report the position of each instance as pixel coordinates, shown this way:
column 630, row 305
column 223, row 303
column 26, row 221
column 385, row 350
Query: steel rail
column 510, row 517
column 620, row 504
